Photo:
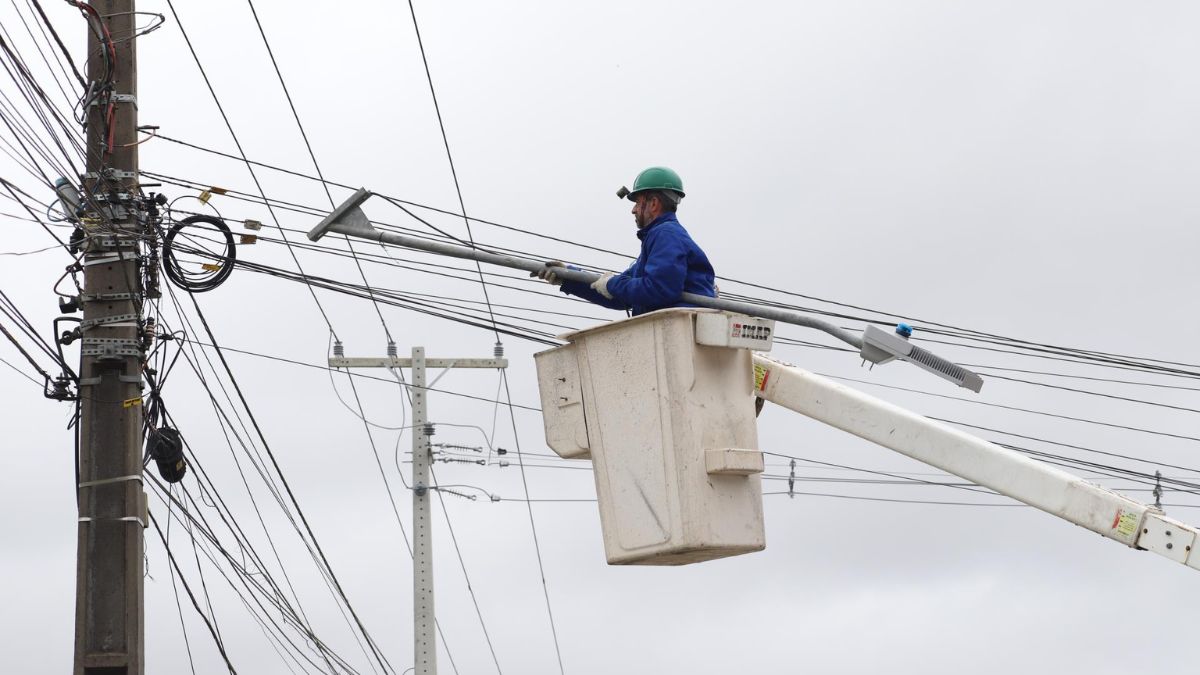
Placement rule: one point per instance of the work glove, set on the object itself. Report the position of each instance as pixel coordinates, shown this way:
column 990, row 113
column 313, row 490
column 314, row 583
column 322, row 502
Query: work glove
column 547, row 273
column 601, row 285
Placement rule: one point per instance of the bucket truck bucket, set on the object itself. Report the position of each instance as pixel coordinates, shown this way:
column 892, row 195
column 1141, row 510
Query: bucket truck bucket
column 663, row 404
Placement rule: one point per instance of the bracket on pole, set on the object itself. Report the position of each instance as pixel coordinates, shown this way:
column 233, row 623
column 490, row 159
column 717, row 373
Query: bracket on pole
column 349, row 214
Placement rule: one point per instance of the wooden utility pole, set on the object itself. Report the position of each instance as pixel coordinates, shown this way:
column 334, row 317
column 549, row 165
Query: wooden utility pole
column 112, row 503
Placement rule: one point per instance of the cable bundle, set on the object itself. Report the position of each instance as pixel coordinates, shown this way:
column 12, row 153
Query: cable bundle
column 214, row 274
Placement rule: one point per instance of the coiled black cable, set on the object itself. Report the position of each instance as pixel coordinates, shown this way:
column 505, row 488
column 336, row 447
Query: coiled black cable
column 199, row 282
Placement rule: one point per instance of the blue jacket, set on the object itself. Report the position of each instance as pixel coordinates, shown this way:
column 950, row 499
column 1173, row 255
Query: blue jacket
column 669, row 264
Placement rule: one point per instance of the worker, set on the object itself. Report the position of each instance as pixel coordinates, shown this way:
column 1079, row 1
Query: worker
column 669, row 263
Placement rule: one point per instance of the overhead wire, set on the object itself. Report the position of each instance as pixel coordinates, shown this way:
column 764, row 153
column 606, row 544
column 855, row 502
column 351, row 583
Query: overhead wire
column 195, row 604
column 1016, row 408
column 1074, row 358
column 312, row 155
column 249, row 165
column 287, row 488
column 258, row 463
column 449, row 156
column 951, row 330
column 58, row 41
column 532, row 525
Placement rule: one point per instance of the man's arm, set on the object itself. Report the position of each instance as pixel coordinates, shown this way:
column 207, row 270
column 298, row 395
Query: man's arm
column 586, row 292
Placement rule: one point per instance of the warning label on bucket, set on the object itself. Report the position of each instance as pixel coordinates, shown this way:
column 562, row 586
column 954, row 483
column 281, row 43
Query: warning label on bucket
column 761, row 375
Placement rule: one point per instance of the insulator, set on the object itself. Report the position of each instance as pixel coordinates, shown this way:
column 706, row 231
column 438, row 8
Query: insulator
column 338, row 350
column 391, row 348
column 68, row 305
column 150, row 329
column 498, row 350
column 494, row 498
column 428, row 429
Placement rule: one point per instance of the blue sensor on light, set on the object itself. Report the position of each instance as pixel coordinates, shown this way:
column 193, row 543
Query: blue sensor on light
column 904, row 330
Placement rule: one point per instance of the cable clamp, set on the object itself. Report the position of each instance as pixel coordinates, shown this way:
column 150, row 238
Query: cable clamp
column 115, row 174
column 107, row 481
column 93, row 381
column 114, row 198
column 110, row 348
column 105, row 320
column 114, row 242
column 103, row 297
column 115, row 98
column 116, row 257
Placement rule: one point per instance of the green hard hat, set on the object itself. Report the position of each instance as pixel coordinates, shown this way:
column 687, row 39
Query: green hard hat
column 654, row 178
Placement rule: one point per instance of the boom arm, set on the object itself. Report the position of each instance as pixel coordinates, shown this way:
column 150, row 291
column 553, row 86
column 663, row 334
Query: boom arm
column 1039, row 485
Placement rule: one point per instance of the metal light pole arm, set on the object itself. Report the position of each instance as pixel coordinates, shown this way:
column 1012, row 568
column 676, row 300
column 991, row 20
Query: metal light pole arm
column 1008, row 473
column 348, row 219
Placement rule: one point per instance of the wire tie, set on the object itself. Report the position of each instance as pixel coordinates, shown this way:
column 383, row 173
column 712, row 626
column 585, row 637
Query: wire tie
column 106, row 481
column 123, row 519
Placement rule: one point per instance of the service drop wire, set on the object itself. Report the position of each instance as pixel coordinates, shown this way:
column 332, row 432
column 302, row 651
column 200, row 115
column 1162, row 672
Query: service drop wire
column 287, row 487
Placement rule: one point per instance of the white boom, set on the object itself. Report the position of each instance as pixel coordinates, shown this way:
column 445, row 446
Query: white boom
column 1011, row 474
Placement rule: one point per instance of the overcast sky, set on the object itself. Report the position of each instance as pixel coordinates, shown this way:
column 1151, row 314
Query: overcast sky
column 1022, row 168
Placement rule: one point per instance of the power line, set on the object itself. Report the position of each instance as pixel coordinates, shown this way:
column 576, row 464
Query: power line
column 532, row 525
column 312, row 155
column 1017, row 409
column 463, row 565
column 259, row 465
column 450, row 158
column 249, row 166
column 195, row 604
column 262, row 438
column 1075, row 355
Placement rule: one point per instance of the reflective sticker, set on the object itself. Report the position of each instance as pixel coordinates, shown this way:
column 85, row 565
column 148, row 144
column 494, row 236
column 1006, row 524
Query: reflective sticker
column 210, row 267
column 205, row 196
column 130, row 402
column 760, row 377
column 1125, row 523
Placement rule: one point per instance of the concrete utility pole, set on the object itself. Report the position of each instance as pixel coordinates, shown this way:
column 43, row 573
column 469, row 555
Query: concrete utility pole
column 112, row 503
column 424, row 627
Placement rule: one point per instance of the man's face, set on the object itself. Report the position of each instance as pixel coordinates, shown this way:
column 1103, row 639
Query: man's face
column 645, row 210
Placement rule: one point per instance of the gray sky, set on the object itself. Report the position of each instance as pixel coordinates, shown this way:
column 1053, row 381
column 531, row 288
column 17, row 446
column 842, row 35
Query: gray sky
column 1026, row 169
